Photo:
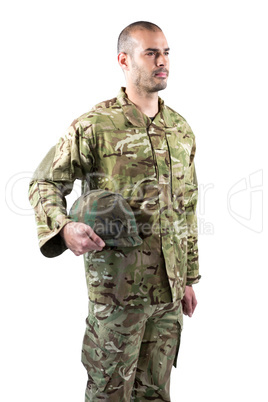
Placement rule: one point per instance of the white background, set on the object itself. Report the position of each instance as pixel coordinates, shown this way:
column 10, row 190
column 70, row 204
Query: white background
column 58, row 60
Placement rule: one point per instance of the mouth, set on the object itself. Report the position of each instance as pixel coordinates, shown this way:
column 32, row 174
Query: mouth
column 161, row 74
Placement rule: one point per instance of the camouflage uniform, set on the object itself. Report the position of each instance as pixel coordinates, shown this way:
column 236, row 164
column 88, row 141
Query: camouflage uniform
column 129, row 351
column 117, row 148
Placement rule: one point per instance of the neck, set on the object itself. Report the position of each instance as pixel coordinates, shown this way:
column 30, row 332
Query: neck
column 147, row 103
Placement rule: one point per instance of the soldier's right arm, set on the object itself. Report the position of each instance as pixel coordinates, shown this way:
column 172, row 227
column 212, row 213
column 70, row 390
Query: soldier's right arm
column 72, row 158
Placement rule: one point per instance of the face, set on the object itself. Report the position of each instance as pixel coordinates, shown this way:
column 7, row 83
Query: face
column 148, row 66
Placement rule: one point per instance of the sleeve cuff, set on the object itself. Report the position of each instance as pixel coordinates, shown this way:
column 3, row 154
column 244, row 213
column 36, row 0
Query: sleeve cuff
column 192, row 281
column 53, row 244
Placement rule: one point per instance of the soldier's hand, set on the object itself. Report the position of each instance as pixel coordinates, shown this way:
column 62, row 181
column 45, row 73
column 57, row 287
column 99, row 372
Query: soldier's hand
column 189, row 301
column 80, row 238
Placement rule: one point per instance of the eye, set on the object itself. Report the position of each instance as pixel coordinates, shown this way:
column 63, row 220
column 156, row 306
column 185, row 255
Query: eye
column 150, row 53
column 166, row 53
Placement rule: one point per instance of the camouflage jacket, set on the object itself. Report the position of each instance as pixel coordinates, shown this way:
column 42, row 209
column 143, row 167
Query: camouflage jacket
column 151, row 163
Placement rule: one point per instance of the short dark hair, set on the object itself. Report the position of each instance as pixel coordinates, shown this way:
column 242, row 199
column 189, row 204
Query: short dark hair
column 124, row 43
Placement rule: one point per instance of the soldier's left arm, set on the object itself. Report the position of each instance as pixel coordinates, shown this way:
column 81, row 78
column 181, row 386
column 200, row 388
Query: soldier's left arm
column 191, row 197
column 189, row 301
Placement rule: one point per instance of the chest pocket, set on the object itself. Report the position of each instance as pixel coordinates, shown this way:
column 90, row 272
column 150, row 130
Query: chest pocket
column 180, row 146
column 125, row 156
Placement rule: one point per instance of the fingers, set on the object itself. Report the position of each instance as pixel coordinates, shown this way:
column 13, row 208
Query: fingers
column 189, row 301
column 94, row 237
column 194, row 303
column 186, row 308
column 88, row 240
column 80, row 238
column 85, row 245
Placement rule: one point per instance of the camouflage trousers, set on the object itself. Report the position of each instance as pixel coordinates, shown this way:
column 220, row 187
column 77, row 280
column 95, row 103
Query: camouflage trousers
column 128, row 351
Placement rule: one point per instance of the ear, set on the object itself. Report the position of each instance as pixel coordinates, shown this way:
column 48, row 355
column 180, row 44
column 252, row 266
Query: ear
column 123, row 60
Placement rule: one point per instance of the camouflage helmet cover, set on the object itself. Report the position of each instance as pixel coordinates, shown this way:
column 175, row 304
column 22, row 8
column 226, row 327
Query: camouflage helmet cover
column 109, row 215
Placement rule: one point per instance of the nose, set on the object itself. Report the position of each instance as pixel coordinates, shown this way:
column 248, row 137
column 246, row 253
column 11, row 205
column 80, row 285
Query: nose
column 161, row 60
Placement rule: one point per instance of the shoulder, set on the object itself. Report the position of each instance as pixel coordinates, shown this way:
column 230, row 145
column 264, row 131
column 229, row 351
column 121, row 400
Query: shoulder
column 101, row 114
column 106, row 105
column 178, row 121
column 175, row 116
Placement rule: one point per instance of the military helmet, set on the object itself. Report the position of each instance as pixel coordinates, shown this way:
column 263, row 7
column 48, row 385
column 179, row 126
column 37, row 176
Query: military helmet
column 109, row 215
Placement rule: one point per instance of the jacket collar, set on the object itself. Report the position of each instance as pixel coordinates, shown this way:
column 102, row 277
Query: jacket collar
column 139, row 119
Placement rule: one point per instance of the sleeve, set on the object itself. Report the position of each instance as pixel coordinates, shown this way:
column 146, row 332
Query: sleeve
column 191, row 197
column 69, row 160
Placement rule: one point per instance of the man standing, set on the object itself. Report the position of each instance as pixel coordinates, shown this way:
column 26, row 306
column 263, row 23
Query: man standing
column 138, row 147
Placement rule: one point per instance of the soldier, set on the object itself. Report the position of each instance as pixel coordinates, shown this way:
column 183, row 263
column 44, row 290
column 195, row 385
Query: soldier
column 137, row 147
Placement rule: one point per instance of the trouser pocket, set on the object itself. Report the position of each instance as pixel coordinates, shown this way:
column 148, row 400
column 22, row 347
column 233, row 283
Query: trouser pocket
column 177, row 346
column 101, row 352
column 180, row 326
